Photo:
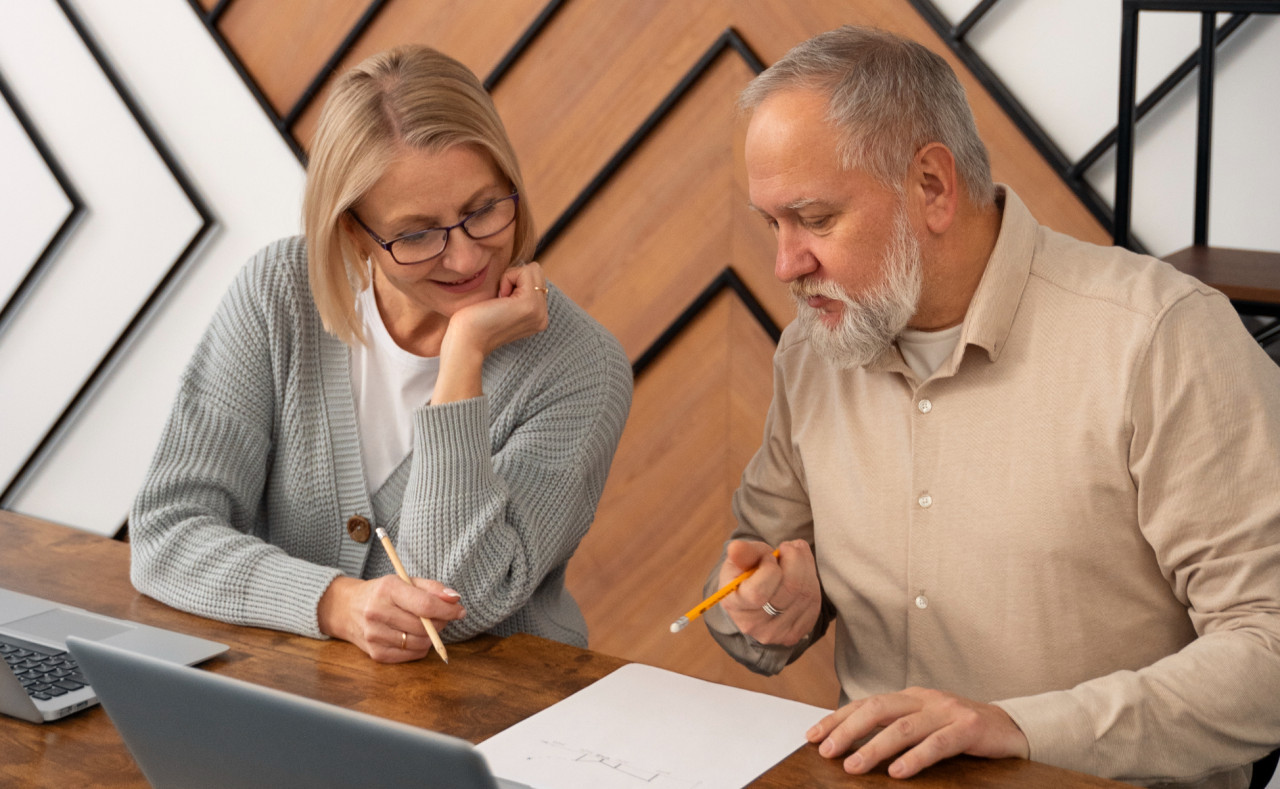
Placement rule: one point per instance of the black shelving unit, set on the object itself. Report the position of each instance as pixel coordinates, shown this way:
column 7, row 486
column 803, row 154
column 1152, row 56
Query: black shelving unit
column 1250, row 278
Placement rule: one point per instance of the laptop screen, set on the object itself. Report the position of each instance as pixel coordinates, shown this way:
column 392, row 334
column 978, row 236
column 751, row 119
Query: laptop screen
column 191, row 728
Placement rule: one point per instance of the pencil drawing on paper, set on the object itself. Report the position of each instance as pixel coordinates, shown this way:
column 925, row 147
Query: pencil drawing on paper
column 651, row 777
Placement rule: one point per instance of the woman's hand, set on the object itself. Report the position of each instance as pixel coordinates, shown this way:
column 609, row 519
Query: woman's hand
column 381, row 616
column 518, row 311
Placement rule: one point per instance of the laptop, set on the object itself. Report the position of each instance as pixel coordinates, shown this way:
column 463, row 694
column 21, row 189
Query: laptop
column 191, row 728
column 41, row 681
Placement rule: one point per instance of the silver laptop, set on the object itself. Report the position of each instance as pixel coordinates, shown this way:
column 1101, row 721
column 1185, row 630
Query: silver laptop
column 191, row 728
column 41, row 682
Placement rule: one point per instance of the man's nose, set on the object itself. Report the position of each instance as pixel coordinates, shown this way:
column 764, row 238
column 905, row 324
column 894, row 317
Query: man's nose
column 794, row 258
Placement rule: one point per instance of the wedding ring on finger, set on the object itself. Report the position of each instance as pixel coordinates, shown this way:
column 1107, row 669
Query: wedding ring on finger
column 770, row 610
column 404, row 640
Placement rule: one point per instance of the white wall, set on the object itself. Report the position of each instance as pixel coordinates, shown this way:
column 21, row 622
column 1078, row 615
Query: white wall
column 1061, row 58
column 136, row 225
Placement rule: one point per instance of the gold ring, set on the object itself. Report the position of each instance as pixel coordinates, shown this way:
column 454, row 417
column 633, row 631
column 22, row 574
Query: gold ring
column 539, row 287
column 404, row 640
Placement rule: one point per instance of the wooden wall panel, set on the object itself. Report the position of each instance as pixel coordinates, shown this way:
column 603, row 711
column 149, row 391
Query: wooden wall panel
column 285, row 65
column 698, row 416
column 659, row 232
column 591, row 79
column 469, row 31
column 671, row 218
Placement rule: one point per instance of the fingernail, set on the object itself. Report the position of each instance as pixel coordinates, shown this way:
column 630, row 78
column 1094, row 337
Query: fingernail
column 812, row 733
column 897, row 768
column 827, row 748
column 854, row 762
column 452, row 593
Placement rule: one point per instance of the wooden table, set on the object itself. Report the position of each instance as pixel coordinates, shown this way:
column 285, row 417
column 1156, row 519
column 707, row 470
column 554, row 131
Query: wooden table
column 489, row 684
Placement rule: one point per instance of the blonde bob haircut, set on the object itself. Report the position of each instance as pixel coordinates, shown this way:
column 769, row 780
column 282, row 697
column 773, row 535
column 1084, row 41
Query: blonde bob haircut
column 409, row 96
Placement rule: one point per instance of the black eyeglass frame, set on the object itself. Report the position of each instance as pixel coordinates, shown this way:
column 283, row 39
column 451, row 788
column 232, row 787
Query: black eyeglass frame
column 462, row 223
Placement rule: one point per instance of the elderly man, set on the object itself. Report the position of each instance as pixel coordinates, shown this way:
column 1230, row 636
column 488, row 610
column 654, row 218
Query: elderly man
column 1031, row 481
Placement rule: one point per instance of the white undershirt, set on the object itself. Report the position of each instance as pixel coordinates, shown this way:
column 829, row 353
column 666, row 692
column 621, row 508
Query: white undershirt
column 389, row 383
column 925, row 351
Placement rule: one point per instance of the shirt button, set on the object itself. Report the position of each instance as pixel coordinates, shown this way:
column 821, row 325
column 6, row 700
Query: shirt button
column 925, row 406
column 925, row 501
column 358, row 527
column 922, row 602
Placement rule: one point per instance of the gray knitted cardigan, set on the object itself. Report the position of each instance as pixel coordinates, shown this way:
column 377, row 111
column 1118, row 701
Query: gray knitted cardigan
column 242, row 516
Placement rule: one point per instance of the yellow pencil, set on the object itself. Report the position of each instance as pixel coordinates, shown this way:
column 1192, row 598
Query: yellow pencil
column 705, row 605
column 404, row 576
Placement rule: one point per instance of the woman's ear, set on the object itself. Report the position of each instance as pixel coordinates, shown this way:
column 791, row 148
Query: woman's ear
column 355, row 235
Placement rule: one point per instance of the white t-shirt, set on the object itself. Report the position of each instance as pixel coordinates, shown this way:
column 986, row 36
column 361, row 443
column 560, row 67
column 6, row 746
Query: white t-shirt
column 389, row 384
column 925, row 351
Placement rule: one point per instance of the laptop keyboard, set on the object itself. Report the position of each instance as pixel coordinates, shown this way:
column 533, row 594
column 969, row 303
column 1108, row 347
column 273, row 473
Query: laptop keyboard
column 45, row 672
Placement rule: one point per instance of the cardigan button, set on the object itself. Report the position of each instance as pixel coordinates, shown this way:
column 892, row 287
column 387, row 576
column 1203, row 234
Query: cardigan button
column 359, row 529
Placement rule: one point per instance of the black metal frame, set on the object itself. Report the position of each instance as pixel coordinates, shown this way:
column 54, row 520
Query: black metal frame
column 126, row 336
column 69, row 222
column 1203, row 61
column 1072, row 173
column 955, row 37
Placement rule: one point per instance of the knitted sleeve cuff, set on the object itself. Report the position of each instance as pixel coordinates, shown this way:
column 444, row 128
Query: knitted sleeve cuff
column 459, row 432
column 283, row 593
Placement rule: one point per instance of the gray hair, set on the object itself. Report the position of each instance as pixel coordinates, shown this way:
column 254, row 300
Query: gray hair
column 888, row 97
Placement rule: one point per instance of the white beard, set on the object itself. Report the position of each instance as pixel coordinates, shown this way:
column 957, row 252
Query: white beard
column 868, row 326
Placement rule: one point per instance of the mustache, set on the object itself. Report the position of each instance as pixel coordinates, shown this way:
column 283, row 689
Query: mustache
column 802, row 289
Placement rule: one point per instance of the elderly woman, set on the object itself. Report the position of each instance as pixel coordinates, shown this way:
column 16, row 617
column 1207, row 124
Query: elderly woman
column 405, row 367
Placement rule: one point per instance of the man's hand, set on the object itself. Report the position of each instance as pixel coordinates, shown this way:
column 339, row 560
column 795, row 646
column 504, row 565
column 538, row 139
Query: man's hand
column 789, row 584
column 381, row 615
column 929, row 725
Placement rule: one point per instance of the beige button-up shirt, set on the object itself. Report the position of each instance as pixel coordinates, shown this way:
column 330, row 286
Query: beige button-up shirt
column 1076, row 516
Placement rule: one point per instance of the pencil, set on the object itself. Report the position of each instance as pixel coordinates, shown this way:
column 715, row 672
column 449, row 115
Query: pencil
column 701, row 608
column 404, row 576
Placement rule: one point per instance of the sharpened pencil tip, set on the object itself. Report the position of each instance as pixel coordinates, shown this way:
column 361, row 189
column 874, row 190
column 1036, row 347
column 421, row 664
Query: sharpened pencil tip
column 679, row 624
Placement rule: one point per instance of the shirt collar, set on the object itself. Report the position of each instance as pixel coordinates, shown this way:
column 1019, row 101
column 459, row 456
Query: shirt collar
column 991, row 311
column 995, row 302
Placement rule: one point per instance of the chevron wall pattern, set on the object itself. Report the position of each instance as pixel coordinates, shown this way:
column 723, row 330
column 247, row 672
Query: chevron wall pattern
column 151, row 146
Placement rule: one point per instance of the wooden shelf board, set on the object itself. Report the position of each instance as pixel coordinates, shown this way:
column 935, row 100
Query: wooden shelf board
column 1242, row 274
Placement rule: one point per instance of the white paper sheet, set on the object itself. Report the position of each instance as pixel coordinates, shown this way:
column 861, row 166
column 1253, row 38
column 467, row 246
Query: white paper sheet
column 646, row 728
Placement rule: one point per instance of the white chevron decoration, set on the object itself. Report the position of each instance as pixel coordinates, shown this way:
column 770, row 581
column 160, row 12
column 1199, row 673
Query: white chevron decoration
column 138, row 223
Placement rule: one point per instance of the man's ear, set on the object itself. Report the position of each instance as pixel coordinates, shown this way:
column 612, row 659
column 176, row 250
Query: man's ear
column 935, row 185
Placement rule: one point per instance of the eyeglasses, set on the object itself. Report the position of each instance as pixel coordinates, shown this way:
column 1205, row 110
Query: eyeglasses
column 419, row 247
